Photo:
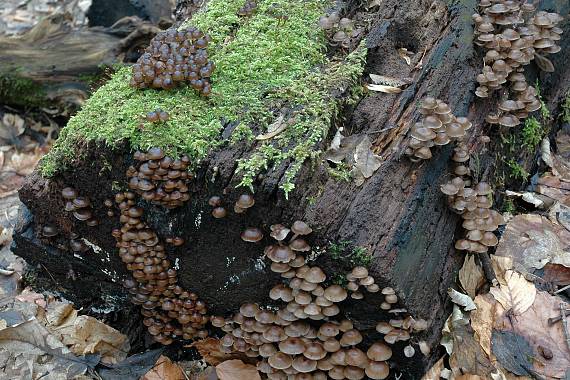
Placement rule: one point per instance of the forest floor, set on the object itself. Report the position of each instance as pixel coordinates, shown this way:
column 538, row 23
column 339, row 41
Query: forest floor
column 504, row 306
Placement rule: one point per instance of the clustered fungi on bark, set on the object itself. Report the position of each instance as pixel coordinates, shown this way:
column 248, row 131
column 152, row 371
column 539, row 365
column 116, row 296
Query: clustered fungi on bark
column 340, row 31
column 175, row 57
column 170, row 312
column 79, row 206
column 513, row 34
column 439, row 126
column 160, row 179
column 301, row 337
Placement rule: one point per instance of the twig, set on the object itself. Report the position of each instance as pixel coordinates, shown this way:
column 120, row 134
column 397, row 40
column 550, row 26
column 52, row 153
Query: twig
column 488, row 268
column 565, row 324
column 562, row 289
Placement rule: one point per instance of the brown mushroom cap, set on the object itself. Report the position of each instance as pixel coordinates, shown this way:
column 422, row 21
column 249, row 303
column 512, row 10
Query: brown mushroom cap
column 301, row 228
column 335, row 293
column 315, row 275
column 377, row 370
column 252, row 235
column 304, row 364
column 292, row 346
column 280, row 360
column 245, row 201
column 280, row 253
column 68, row 193
column 350, row 337
column 355, row 357
column 299, row 245
column 379, row 352
column 314, row 351
column 329, row 329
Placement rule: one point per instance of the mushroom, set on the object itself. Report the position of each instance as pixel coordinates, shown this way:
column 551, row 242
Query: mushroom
column 379, row 352
column 377, row 370
column 252, row 235
column 335, row 293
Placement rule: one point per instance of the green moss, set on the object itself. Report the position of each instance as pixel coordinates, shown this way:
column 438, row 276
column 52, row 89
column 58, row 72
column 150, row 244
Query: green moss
column 516, row 170
column 532, row 133
column 352, row 256
column 341, row 172
column 544, row 111
column 566, row 109
column 19, row 91
column 263, row 65
column 509, row 206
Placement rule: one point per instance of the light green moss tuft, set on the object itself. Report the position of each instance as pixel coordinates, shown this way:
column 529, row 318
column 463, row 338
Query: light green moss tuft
column 262, row 63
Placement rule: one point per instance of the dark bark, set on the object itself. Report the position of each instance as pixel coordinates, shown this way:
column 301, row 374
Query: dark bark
column 399, row 215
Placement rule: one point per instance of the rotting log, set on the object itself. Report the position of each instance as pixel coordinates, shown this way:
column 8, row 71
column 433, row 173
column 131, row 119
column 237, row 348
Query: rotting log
column 53, row 63
column 398, row 215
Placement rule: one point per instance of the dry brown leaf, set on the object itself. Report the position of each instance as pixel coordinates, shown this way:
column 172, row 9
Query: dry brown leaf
column 461, row 299
column 164, row 369
column 533, row 241
column 405, row 55
column 209, row 349
column 274, row 129
column 236, row 370
column 85, row 335
column 471, row 276
column 469, row 377
column 556, row 274
column 501, row 264
column 482, row 320
column 533, row 326
column 365, row 160
column 434, row 372
column 517, row 295
column 383, row 88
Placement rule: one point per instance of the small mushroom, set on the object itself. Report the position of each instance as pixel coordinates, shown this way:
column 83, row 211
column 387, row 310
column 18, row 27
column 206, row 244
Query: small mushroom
column 252, row 235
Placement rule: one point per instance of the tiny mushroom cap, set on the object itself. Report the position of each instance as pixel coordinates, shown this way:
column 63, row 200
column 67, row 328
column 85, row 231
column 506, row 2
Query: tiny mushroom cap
column 483, row 188
column 329, row 329
column 379, row 352
column 280, row 360
column 314, row 351
column 489, row 239
column 68, row 193
column 330, row 311
column 335, row 293
column 345, row 325
column 384, row 327
column 299, row 245
column 331, row 345
column 325, row 364
column 292, row 346
column 249, row 310
column 280, row 253
column 279, row 232
column 252, row 235
column 429, row 103
column 449, row 189
column 350, row 338
column 424, row 153
column 304, row 364
column 301, row 228
column 267, row 349
column 355, row 357
column 337, row 372
column 357, row 295
column 359, row 272
column 315, row 275
column 353, row 373
column 377, row 370
column 245, row 201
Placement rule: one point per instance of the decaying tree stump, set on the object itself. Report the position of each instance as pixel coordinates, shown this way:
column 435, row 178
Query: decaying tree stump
column 398, row 215
column 53, row 62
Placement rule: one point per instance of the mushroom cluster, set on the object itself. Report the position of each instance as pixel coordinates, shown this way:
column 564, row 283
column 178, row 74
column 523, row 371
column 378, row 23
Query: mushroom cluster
column 79, row 206
column 157, row 115
column 160, row 179
column 513, row 35
column 170, row 312
column 359, row 277
column 302, row 339
column 474, row 205
column 339, row 30
column 247, row 9
column 438, row 127
column 174, row 57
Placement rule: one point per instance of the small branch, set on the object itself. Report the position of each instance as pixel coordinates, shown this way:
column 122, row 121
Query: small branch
column 488, row 268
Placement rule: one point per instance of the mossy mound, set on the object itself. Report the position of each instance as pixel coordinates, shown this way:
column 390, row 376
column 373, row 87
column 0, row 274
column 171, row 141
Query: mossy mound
column 264, row 63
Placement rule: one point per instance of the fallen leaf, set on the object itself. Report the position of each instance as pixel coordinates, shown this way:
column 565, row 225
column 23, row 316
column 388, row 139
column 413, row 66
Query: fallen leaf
column 501, row 264
column 469, row 376
column 164, row 369
column 132, row 367
column 209, row 349
column 389, row 81
column 528, row 197
column 482, row 320
column 513, row 352
column 236, row 370
column 405, row 55
column 471, row 276
column 543, row 63
column 517, row 295
column 274, row 129
column 461, row 299
column 533, row 241
column 383, row 88
column 556, row 274
column 434, row 373
column 365, row 160
column 343, row 151
column 86, row 335
column 11, row 127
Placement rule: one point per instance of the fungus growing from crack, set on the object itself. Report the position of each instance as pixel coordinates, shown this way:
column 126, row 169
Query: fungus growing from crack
column 244, row 202
column 49, row 231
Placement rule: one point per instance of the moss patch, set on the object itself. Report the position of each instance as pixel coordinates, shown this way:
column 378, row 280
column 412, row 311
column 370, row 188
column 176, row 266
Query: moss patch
column 263, row 65
column 20, row 91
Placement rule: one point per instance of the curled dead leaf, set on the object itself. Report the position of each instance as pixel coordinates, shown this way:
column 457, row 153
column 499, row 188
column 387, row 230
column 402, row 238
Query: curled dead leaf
column 461, row 299
column 516, row 295
column 237, row 370
column 383, row 88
